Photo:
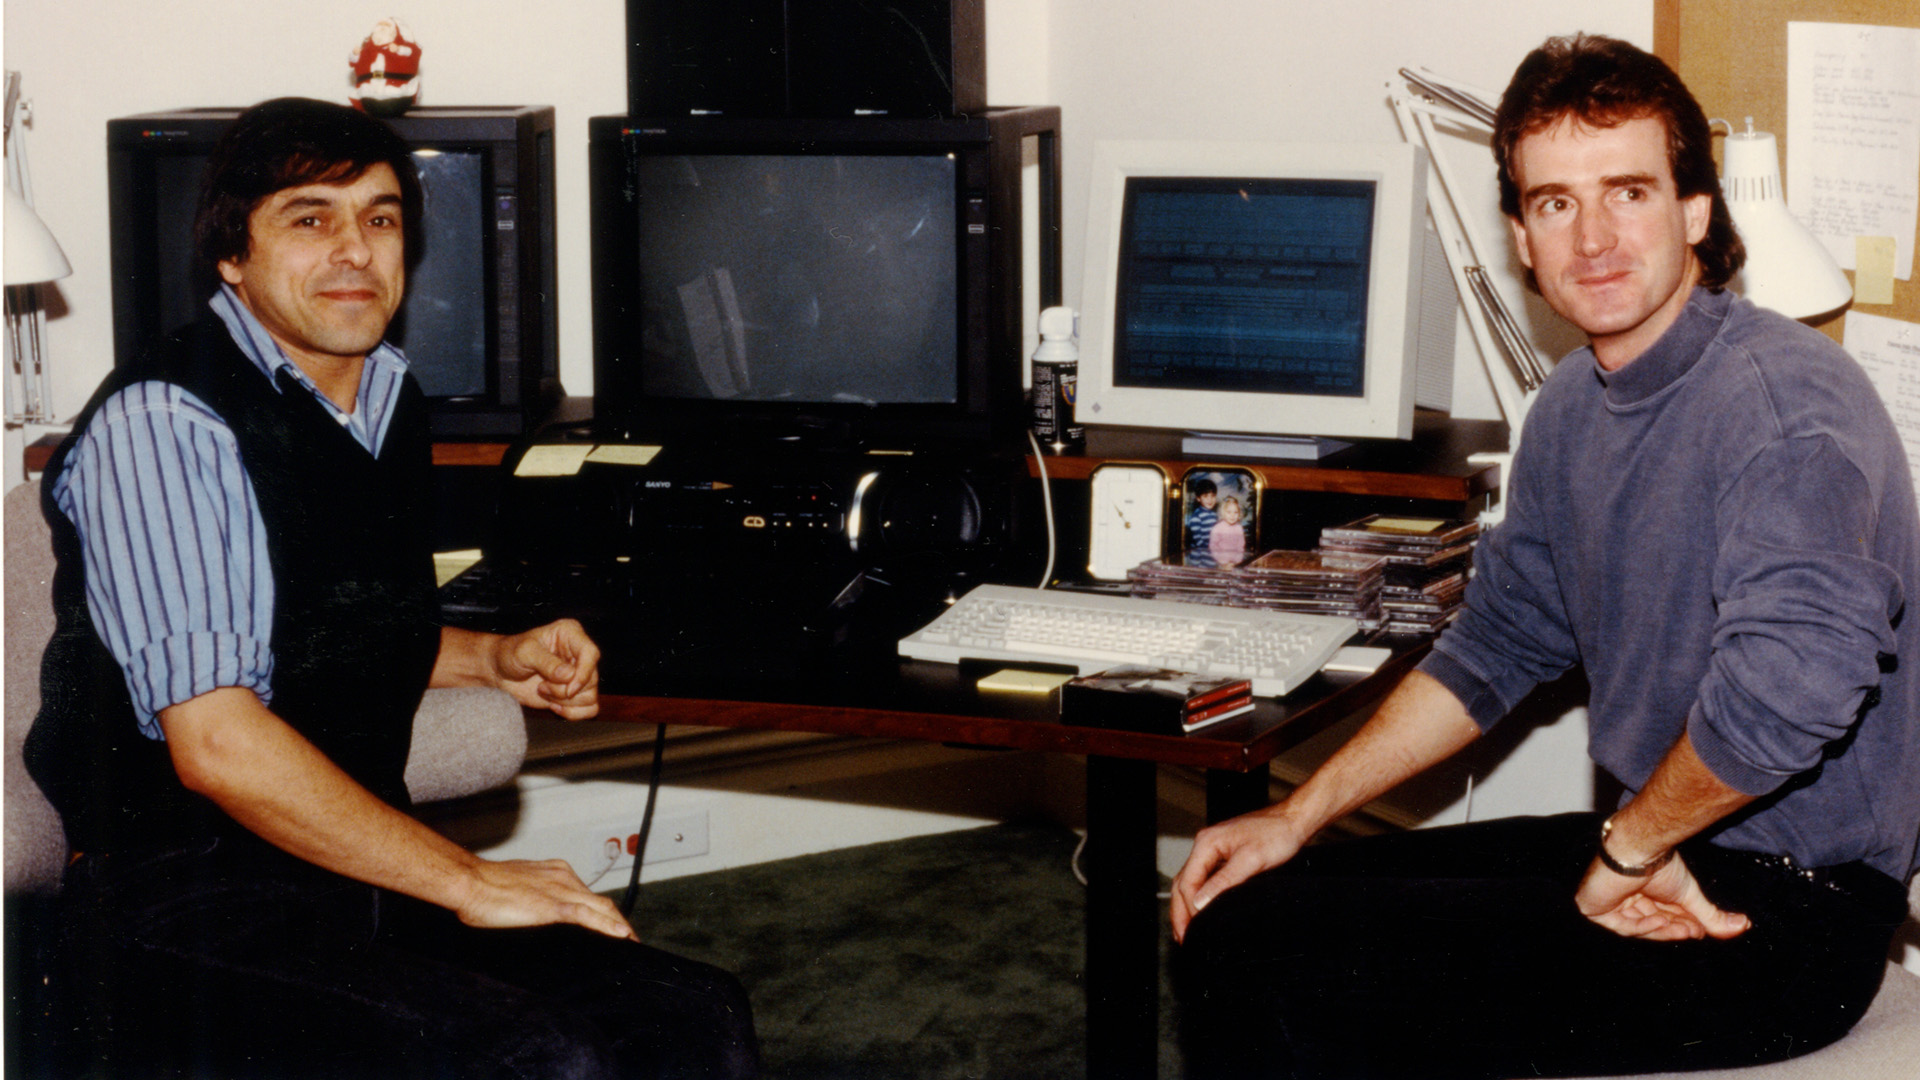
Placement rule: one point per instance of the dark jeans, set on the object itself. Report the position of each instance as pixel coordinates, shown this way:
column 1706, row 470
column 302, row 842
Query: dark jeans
column 233, row 960
column 1458, row 952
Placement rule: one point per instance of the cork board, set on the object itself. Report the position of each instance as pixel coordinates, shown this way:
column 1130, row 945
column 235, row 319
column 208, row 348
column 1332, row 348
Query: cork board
column 1733, row 56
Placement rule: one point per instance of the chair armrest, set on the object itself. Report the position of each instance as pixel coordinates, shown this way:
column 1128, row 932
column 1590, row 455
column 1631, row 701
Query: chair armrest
column 465, row 741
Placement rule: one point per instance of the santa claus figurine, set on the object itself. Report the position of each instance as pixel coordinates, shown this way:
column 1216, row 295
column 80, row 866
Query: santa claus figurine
column 386, row 70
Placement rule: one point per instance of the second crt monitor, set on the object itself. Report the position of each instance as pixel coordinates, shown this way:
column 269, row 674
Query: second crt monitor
column 1280, row 290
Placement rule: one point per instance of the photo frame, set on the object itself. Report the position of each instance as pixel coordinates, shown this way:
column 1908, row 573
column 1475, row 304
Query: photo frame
column 1209, row 496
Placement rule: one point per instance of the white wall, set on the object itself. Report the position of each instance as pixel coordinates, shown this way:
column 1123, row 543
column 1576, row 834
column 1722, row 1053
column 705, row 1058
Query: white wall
column 86, row 61
column 1118, row 68
column 83, row 62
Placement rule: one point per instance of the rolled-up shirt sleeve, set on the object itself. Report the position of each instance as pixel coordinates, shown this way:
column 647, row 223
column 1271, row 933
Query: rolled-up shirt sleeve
column 178, row 581
column 1513, row 632
column 1804, row 616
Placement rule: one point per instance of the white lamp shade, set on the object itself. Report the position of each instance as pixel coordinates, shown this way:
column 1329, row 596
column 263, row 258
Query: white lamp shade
column 1787, row 269
column 33, row 255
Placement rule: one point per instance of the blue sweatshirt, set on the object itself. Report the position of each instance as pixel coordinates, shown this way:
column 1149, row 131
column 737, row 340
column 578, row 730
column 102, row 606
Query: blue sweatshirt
column 1723, row 533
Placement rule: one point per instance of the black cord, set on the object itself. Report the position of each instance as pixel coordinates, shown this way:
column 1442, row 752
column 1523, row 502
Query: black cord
column 646, row 821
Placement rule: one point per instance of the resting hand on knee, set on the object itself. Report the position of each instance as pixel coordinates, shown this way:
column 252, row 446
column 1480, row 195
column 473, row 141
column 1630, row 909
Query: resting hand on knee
column 521, row 893
column 1227, row 854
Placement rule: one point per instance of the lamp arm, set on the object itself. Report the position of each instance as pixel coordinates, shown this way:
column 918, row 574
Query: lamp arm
column 13, row 104
column 1494, row 329
column 1464, row 97
column 1526, row 362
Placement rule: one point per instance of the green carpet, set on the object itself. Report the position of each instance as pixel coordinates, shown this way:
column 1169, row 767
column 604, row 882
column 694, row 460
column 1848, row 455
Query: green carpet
column 957, row 955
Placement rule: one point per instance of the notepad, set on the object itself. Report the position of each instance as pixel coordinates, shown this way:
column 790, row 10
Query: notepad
column 1023, row 682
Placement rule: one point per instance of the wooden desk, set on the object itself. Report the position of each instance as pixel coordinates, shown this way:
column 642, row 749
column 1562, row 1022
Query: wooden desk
column 1431, row 466
column 880, row 696
column 940, row 703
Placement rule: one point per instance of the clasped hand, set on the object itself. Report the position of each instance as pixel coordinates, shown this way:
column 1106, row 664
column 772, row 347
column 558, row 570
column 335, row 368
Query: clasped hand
column 1666, row 905
column 556, row 666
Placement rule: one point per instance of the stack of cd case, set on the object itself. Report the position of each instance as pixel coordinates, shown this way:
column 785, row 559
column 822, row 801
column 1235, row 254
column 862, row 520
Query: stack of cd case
column 1164, row 580
column 1321, row 582
column 1427, row 563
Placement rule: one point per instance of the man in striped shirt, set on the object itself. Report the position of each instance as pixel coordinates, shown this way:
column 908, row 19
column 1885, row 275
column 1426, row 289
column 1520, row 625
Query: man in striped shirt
column 245, row 602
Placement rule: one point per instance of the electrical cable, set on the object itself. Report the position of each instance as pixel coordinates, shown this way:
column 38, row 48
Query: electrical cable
column 612, row 858
column 646, row 821
column 1081, row 875
column 1046, row 500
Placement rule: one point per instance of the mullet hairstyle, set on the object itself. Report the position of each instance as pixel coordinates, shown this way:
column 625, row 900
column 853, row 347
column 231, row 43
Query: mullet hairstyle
column 1603, row 82
column 291, row 142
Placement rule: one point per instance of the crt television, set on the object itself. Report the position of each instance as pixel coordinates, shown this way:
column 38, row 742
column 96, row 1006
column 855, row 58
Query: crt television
column 845, row 280
column 1277, row 297
column 479, row 325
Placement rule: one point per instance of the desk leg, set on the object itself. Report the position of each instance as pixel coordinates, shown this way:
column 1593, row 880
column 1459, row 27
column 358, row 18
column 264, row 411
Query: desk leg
column 1123, row 920
column 1230, row 794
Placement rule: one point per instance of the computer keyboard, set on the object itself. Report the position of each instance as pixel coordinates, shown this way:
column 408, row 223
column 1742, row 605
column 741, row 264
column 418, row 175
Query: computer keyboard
column 1277, row 650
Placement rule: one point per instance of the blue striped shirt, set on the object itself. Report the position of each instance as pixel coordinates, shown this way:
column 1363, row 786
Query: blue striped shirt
column 178, row 579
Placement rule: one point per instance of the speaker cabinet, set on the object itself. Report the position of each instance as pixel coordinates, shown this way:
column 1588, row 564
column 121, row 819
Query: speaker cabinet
column 815, row 58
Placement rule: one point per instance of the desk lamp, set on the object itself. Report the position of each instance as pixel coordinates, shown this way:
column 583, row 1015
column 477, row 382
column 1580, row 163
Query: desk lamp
column 1787, row 269
column 33, row 258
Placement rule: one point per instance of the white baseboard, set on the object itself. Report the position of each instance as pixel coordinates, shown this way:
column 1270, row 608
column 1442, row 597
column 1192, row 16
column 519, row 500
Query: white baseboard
column 756, row 796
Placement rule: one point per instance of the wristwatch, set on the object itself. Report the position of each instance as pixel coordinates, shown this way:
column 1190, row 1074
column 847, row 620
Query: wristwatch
column 1645, row 869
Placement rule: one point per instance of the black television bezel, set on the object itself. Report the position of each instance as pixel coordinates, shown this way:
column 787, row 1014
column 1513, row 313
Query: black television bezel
column 522, row 362
column 988, row 149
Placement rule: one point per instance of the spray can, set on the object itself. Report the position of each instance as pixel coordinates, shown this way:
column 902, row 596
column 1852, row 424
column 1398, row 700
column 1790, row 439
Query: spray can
column 1056, row 374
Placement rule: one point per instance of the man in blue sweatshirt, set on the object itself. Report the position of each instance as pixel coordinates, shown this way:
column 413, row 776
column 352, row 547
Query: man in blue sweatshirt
column 1711, row 514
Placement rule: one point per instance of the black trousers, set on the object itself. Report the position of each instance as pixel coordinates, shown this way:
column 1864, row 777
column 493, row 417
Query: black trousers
column 233, row 960
column 1458, row 952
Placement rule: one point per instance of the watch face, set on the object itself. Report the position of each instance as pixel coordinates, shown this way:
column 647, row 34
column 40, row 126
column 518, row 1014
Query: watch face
column 1127, row 519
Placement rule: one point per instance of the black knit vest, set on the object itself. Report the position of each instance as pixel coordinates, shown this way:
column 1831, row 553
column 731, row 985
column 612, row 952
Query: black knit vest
column 353, row 643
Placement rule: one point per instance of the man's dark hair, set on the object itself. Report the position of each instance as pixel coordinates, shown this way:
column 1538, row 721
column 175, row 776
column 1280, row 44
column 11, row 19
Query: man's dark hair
column 1603, row 82
column 288, row 142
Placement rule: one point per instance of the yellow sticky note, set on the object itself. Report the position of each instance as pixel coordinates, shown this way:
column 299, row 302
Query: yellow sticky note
column 1408, row 525
column 622, row 454
column 556, row 460
column 1024, row 682
column 448, row 565
column 1873, row 269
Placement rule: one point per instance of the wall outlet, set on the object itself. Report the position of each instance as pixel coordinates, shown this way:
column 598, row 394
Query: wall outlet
column 674, row 836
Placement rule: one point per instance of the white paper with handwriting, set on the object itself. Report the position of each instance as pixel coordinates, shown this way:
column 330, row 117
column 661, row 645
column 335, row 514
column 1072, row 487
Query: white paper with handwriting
column 1853, row 135
column 1890, row 351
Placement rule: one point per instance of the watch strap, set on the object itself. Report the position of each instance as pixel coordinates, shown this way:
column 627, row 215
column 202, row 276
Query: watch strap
column 1645, row 869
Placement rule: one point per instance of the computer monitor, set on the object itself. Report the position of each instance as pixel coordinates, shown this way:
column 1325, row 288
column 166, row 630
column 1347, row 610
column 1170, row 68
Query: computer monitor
column 480, row 323
column 1271, row 298
column 852, row 280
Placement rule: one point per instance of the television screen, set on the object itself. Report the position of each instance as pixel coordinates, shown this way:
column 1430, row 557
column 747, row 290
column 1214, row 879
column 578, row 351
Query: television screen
column 439, row 327
column 445, row 343
column 801, row 278
column 479, row 323
column 853, row 281
column 1257, row 285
